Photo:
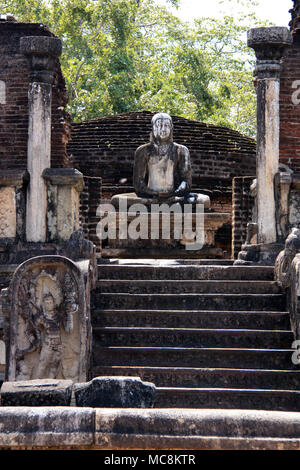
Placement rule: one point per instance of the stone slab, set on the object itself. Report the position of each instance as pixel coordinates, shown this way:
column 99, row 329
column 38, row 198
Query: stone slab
column 40, row 392
column 117, row 429
column 8, row 215
column 112, row 392
column 40, row 427
column 196, row 429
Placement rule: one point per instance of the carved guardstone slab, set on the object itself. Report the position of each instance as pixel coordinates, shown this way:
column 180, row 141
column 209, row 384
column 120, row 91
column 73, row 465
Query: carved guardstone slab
column 47, row 321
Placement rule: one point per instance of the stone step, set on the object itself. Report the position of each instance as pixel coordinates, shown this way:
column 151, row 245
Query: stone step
column 274, row 302
column 207, row 378
column 185, row 272
column 192, row 319
column 195, row 338
column 179, row 286
column 276, row 400
column 164, row 262
column 229, row 358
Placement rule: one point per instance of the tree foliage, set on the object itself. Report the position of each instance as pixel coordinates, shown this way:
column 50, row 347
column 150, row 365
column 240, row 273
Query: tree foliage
column 130, row 55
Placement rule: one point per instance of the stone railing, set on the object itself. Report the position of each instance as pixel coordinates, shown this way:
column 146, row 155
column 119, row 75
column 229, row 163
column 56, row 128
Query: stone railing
column 287, row 275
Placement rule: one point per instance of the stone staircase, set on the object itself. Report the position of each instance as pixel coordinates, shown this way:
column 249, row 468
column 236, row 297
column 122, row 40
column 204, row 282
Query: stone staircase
column 208, row 336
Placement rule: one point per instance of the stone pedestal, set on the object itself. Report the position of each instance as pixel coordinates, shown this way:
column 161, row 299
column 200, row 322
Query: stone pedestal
column 64, row 186
column 42, row 53
column 165, row 238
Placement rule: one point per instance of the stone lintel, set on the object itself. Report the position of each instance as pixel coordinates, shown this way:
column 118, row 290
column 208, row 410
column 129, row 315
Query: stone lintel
column 269, row 44
column 64, row 177
column 14, row 178
column 41, row 45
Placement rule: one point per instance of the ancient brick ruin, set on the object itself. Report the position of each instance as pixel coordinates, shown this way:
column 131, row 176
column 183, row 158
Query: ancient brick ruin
column 205, row 345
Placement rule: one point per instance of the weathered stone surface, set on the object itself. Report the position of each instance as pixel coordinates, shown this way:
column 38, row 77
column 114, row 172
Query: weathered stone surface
column 38, row 427
column 196, row 429
column 283, row 263
column 103, row 429
column 8, row 216
column 2, row 92
column 63, row 189
column 45, row 392
column 47, row 321
column 115, row 392
column 162, row 169
column 42, row 52
column 269, row 44
column 41, row 45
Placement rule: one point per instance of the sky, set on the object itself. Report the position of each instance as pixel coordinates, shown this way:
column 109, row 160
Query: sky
column 276, row 11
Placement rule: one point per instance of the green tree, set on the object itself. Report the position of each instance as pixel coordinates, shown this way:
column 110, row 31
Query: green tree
column 130, row 55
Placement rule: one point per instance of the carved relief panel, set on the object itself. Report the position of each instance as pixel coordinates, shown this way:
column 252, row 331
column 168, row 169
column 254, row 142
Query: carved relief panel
column 49, row 328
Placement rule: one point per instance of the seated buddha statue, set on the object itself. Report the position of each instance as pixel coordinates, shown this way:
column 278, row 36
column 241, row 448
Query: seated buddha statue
column 162, row 170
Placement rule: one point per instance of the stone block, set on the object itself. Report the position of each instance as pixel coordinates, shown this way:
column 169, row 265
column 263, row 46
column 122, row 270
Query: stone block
column 8, row 216
column 274, row 35
column 51, row 427
column 41, row 45
column 115, row 392
column 45, row 392
column 63, row 189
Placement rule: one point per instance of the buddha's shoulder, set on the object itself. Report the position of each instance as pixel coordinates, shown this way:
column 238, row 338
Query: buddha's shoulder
column 181, row 148
column 143, row 149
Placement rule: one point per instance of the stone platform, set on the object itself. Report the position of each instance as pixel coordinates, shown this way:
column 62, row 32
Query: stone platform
column 72, row 428
column 122, row 245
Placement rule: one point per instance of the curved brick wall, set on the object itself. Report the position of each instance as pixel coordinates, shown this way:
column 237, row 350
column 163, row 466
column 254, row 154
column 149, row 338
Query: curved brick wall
column 105, row 147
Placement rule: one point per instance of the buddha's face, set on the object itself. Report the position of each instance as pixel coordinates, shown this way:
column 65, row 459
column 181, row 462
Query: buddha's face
column 49, row 307
column 162, row 129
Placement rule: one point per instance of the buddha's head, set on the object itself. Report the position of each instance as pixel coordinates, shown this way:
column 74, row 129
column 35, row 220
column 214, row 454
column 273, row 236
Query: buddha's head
column 49, row 306
column 162, row 127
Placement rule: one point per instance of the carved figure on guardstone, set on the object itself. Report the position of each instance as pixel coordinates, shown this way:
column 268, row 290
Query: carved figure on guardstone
column 49, row 333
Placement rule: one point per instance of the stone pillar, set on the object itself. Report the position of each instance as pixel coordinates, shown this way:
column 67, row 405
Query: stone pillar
column 269, row 45
column 42, row 53
column 64, row 186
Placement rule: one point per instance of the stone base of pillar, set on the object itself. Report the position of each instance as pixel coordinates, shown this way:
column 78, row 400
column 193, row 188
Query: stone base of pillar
column 260, row 254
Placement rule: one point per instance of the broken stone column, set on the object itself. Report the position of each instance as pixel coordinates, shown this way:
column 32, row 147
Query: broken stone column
column 42, row 52
column 269, row 45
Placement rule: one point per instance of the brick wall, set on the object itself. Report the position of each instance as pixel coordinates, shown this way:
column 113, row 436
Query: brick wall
column 90, row 199
column 14, row 72
column 105, row 147
column 242, row 209
column 290, row 112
